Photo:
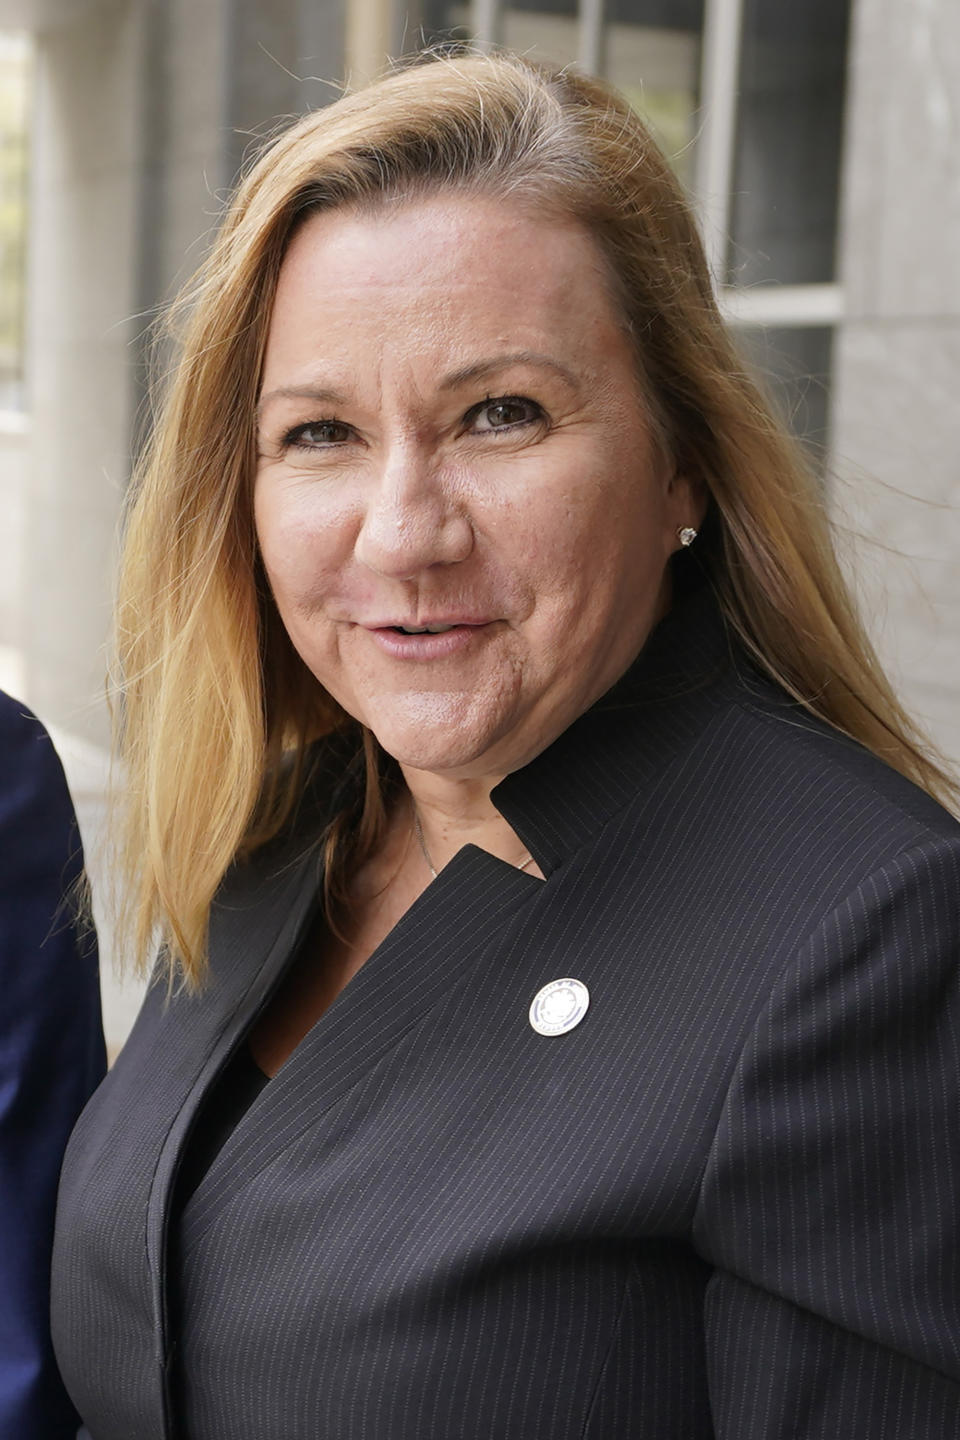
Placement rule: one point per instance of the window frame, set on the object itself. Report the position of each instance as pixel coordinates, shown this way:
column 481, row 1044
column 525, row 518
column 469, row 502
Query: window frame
column 772, row 305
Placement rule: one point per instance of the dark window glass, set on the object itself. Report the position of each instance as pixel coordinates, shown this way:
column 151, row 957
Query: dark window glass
column 657, row 14
column 438, row 22
column 542, row 29
column 788, row 144
column 545, row 7
column 793, row 366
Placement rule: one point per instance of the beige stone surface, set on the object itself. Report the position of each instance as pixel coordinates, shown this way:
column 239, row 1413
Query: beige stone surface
column 897, row 490
column 896, row 417
column 83, row 266
column 901, row 250
column 86, row 768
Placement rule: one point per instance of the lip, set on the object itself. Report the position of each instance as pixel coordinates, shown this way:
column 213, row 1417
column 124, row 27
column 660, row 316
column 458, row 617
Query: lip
column 418, row 622
column 463, row 635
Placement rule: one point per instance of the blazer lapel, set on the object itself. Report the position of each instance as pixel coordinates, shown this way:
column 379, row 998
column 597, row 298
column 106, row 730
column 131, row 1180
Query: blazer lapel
column 256, row 922
column 434, row 949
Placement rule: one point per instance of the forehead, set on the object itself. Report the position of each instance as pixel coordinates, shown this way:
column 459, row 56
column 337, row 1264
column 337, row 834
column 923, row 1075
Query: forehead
column 446, row 272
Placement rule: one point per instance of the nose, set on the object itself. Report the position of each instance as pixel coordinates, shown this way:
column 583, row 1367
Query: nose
column 413, row 517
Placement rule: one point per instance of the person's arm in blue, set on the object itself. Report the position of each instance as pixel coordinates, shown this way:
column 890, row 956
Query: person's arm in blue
column 51, row 1059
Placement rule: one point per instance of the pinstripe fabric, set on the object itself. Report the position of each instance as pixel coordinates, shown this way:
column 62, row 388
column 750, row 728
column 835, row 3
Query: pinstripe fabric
column 725, row 1205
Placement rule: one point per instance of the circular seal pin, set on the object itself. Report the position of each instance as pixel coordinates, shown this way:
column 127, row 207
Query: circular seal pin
column 559, row 1006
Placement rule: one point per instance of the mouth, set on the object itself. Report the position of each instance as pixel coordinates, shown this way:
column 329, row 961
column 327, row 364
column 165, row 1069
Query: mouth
column 422, row 629
column 439, row 625
column 435, row 640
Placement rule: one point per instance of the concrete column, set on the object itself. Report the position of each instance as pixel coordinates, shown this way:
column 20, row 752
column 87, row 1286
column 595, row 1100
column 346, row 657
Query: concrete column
column 370, row 39
column 82, row 292
column 896, row 417
column 144, row 111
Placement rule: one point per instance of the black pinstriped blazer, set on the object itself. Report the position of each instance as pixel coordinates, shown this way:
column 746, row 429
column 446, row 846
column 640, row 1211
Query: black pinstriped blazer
column 725, row 1205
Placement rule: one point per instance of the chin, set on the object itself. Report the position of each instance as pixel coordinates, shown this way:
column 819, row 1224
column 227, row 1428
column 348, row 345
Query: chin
column 440, row 732
column 432, row 751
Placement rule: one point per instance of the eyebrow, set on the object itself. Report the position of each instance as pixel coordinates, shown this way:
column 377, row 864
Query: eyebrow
column 481, row 368
column 302, row 392
column 478, row 370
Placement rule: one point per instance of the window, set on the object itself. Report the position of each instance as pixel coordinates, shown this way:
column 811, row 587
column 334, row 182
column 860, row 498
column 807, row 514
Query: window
column 747, row 99
column 794, row 365
column 786, row 159
column 768, row 181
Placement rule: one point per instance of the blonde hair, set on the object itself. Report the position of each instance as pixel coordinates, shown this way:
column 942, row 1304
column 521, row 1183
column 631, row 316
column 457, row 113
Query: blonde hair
column 217, row 709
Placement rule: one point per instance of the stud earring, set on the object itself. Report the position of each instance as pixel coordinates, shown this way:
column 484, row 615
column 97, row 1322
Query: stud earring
column 686, row 535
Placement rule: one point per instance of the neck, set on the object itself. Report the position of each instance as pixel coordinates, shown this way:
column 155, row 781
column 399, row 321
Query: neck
column 454, row 813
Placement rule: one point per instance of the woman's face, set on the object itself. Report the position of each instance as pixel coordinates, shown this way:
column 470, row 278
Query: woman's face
column 463, row 516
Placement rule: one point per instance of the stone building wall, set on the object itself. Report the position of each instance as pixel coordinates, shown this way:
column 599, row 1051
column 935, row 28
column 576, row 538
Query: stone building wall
column 896, row 402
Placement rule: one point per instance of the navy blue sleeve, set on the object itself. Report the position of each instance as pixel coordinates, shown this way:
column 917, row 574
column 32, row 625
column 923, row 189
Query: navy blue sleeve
column 51, row 1059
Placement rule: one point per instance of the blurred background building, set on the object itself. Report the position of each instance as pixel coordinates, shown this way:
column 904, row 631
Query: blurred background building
column 820, row 141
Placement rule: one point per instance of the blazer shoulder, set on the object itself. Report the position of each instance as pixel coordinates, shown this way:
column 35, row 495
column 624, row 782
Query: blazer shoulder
column 25, row 745
column 792, row 760
column 38, row 826
column 15, row 717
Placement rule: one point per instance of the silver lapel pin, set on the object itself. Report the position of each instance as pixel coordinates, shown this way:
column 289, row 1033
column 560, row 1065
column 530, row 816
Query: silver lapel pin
column 559, row 1006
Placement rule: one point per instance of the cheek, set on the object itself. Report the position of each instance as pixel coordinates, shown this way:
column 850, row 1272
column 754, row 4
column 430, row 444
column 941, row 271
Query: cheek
column 301, row 542
column 594, row 535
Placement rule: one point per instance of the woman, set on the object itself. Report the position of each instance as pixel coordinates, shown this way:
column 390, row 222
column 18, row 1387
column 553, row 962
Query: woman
column 559, row 1035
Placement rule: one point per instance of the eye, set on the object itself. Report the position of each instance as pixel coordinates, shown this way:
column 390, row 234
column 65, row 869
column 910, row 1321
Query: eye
column 506, row 412
column 317, row 434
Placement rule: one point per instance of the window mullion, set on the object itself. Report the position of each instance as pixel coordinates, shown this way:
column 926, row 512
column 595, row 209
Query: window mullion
column 486, row 21
column 719, row 77
column 783, row 305
column 592, row 36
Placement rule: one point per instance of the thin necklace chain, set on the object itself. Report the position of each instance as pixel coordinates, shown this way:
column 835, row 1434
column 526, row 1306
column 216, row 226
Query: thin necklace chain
column 418, row 831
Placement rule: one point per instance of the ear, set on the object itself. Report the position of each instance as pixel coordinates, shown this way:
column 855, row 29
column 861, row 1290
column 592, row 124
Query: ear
column 687, row 498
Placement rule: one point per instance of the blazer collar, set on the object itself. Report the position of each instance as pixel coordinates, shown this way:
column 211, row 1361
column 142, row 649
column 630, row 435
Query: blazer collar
column 627, row 739
column 555, row 803
column 624, row 742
